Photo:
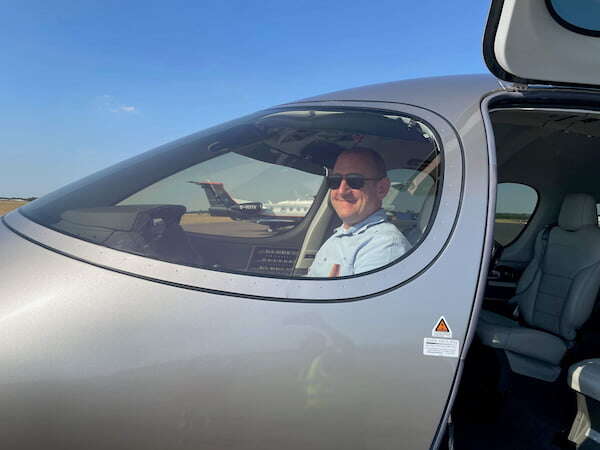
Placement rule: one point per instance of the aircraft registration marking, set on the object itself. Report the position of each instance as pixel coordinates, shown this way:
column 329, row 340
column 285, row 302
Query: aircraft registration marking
column 441, row 347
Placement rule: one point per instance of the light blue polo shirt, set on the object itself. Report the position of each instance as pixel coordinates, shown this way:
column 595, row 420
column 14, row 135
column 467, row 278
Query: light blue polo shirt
column 365, row 246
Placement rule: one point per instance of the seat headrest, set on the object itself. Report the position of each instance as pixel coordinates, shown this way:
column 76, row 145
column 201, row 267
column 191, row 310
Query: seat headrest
column 578, row 210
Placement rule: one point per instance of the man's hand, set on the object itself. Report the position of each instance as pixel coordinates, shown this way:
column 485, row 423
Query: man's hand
column 335, row 271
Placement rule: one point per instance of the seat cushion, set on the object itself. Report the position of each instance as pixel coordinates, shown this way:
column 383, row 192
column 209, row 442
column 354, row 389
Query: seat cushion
column 504, row 333
column 584, row 377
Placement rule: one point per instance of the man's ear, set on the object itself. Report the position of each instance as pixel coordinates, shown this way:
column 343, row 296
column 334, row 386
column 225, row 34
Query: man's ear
column 383, row 187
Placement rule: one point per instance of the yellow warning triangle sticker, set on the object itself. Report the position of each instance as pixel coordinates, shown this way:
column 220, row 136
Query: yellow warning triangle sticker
column 441, row 328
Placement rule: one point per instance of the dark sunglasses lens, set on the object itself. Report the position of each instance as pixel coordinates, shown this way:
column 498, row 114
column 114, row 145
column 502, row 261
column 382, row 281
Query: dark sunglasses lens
column 334, row 181
column 355, row 181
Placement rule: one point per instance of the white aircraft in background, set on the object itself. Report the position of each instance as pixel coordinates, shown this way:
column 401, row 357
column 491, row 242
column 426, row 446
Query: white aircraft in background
column 274, row 215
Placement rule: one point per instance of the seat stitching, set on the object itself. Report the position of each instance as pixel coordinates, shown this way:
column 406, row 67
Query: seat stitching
column 552, row 295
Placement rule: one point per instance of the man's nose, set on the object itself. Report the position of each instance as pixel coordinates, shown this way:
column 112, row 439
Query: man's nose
column 344, row 186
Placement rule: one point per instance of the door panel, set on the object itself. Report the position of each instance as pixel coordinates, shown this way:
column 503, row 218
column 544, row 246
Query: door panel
column 524, row 42
column 120, row 362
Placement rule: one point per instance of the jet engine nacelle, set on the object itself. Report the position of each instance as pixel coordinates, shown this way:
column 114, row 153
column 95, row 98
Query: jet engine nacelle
column 246, row 210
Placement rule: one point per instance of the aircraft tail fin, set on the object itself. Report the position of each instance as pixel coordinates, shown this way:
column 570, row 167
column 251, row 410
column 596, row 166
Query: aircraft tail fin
column 216, row 194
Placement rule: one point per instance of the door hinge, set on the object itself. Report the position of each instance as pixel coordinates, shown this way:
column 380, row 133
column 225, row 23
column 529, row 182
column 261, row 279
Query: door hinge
column 518, row 87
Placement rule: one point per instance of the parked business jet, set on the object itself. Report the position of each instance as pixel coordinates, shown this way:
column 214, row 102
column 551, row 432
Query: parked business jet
column 121, row 328
column 275, row 215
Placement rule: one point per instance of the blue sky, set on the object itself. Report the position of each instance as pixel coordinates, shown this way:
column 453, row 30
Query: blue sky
column 86, row 84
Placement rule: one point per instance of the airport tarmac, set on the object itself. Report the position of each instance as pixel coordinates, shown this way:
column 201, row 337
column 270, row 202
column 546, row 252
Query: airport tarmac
column 223, row 226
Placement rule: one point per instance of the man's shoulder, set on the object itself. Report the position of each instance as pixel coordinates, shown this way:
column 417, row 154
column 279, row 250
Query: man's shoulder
column 386, row 234
column 382, row 244
column 384, row 230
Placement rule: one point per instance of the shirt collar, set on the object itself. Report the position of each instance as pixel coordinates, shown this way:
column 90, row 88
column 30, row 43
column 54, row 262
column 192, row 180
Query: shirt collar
column 375, row 218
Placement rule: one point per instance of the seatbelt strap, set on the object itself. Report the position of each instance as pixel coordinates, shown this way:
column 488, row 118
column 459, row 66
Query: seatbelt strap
column 545, row 236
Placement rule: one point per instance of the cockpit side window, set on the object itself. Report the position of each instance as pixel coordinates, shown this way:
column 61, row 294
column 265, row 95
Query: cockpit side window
column 515, row 204
column 256, row 196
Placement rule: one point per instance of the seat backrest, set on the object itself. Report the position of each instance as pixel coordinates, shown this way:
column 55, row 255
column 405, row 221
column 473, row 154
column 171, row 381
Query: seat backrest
column 559, row 286
column 416, row 232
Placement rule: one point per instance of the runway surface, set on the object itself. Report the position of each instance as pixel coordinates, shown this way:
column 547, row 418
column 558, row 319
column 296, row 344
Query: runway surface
column 223, row 226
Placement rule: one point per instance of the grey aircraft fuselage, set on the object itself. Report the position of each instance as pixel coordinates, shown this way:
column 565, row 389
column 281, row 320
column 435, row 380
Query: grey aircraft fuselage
column 108, row 346
column 105, row 349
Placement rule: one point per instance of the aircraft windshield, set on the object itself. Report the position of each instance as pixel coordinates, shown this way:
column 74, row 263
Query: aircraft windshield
column 250, row 196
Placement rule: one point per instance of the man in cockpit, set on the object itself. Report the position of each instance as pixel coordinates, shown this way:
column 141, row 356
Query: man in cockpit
column 365, row 240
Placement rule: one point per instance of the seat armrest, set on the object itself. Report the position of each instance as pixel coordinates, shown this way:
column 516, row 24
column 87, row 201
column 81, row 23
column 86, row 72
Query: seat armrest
column 499, row 305
column 584, row 377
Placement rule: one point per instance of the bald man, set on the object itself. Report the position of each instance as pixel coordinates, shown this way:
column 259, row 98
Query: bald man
column 365, row 240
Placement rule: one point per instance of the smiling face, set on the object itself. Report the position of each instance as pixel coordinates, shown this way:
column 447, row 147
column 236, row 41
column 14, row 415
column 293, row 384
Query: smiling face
column 355, row 205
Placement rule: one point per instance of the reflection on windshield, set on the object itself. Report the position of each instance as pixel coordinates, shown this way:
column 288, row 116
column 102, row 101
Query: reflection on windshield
column 234, row 195
column 583, row 15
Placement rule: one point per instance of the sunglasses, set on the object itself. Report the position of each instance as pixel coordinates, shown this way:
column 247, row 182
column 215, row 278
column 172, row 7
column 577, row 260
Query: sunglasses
column 354, row 180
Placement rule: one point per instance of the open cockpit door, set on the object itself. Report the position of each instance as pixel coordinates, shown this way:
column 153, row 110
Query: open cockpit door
column 554, row 42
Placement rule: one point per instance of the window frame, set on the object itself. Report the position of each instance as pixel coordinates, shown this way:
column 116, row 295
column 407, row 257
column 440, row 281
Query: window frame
column 441, row 225
column 569, row 25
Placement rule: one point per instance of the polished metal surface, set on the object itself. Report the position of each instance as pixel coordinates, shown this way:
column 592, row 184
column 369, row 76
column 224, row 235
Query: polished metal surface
column 97, row 359
column 92, row 357
column 448, row 96
column 289, row 289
